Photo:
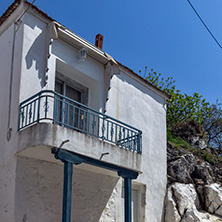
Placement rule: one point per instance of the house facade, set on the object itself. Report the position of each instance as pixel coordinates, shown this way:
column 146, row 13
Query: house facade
column 82, row 136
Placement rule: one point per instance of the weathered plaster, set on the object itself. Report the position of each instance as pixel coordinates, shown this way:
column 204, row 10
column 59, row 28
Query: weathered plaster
column 10, row 78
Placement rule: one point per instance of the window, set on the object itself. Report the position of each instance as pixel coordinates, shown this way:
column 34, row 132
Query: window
column 69, row 111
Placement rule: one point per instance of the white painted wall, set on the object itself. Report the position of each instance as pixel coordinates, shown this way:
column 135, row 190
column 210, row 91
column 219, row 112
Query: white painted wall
column 9, row 116
column 140, row 107
column 39, row 189
column 33, row 56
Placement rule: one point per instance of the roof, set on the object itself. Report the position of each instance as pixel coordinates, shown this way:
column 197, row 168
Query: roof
column 16, row 3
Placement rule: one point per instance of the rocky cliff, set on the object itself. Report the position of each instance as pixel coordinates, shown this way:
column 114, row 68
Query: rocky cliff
column 194, row 191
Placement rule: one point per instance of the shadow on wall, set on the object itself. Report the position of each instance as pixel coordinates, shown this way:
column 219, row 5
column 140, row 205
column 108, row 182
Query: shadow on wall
column 39, row 191
column 36, row 55
column 93, row 197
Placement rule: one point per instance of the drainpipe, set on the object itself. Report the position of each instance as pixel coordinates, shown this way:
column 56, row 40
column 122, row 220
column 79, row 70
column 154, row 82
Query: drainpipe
column 16, row 28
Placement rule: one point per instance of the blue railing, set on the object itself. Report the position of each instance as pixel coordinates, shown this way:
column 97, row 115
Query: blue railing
column 49, row 106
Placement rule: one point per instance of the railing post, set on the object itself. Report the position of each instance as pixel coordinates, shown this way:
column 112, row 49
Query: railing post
column 38, row 109
column 139, row 142
column 55, row 109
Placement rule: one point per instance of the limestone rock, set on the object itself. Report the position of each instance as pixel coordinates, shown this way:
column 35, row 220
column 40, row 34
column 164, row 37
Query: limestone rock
column 179, row 170
column 171, row 212
column 213, row 199
column 218, row 173
column 182, row 204
column 185, row 196
column 172, row 152
column 197, row 141
column 201, row 192
column 192, row 215
column 191, row 162
column 203, row 171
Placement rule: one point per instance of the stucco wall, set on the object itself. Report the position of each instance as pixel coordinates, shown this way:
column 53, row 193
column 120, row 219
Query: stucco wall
column 39, row 189
column 33, row 56
column 137, row 105
column 9, row 84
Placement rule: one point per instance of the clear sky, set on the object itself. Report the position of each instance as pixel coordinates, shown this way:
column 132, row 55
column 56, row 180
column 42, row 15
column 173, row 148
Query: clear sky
column 165, row 35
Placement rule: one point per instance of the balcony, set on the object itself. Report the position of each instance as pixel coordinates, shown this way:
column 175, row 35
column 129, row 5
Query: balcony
column 50, row 107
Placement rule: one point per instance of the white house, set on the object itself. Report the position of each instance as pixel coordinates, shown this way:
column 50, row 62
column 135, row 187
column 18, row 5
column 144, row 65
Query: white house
column 82, row 136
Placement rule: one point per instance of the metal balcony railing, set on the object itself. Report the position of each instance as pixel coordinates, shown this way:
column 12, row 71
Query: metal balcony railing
column 49, row 106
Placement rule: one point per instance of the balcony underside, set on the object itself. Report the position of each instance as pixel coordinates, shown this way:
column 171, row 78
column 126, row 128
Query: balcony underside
column 37, row 140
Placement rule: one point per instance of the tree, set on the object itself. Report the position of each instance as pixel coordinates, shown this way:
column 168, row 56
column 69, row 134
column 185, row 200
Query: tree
column 181, row 107
column 212, row 124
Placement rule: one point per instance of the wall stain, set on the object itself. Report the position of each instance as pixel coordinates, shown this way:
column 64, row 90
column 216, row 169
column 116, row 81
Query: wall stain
column 24, row 218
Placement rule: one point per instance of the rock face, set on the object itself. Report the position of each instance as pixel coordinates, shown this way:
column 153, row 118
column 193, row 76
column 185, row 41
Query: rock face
column 180, row 198
column 171, row 211
column 197, row 141
column 213, row 199
column 194, row 193
column 203, row 172
column 180, row 169
column 182, row 204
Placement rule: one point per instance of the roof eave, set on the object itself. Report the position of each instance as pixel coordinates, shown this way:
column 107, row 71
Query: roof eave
column 79, row 43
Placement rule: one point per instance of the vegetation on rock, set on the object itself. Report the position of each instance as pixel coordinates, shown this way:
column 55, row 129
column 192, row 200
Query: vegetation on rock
column 189, row 111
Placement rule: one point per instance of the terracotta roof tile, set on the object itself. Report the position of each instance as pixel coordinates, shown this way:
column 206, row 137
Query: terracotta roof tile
column 39, row 11
column 9, row 11
column 13, row 7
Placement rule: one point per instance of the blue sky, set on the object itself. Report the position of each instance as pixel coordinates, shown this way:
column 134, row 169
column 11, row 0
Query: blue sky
column 164, row 35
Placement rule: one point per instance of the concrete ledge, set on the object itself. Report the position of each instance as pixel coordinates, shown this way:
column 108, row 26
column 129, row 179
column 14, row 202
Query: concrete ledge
column 43, row 136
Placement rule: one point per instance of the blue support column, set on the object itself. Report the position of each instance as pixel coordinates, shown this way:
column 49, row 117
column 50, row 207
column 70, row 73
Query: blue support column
column 128, row 177
column 70, row 158
column 67, row 192
column 127, row 200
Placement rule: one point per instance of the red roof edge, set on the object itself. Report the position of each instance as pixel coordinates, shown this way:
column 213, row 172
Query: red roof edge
column 144, row 80
column 13, row 7
column 38, row 10
column 9, row 11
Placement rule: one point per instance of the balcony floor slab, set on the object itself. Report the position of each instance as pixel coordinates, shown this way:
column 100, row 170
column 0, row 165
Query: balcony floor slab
column 36, row 141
